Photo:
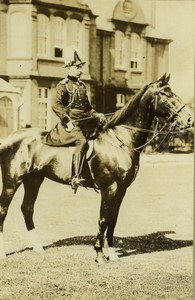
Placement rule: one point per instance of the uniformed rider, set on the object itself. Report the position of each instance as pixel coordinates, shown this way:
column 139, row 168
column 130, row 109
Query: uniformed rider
column 71, row 104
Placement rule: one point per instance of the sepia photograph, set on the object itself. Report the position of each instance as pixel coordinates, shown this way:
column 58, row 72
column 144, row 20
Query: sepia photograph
column 96, row 149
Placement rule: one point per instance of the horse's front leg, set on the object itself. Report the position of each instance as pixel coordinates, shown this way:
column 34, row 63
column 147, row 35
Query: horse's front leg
column 101, row 258
column 112, row 219
column 106, row 196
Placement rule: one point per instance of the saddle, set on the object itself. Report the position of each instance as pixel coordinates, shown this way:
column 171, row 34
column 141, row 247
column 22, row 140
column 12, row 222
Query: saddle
column 58, row 136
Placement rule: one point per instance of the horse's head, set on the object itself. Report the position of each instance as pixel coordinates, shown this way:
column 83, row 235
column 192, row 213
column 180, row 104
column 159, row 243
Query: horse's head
column 169, row 106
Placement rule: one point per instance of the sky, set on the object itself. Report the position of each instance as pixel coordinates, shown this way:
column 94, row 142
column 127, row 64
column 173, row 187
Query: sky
column 175, row 19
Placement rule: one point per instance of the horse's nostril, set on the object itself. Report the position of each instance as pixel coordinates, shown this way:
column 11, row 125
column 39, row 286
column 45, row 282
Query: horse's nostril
column 191, row 121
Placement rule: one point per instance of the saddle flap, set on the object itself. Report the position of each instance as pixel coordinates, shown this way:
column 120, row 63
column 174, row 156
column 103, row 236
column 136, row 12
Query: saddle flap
column 89, row 151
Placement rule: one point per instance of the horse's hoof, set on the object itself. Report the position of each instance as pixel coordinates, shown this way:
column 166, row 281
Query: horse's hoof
column 112, row 256
column 101, row 260
column 38, row 249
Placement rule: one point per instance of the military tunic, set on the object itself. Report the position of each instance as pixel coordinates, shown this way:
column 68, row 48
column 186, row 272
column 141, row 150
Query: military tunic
column 71, row 102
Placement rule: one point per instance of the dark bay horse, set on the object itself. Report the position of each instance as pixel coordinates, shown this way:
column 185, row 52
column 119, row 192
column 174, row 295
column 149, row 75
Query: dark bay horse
column 113, row 164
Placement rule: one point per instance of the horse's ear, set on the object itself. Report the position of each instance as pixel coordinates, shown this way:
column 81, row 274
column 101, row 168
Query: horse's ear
column 164, row 79
column 168, row 77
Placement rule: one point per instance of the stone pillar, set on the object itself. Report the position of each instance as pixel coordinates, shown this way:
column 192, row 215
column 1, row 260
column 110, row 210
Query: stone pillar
column 85, row 45
column 34, row 39
column 3, row 38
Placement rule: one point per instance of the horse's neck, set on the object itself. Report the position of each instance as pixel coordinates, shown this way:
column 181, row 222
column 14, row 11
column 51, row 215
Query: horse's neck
column 141, row 117
column 131, row 129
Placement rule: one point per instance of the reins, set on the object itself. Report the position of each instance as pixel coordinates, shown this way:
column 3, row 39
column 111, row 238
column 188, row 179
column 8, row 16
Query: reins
column 154, row 131
column 88, row 118
column 155, row 134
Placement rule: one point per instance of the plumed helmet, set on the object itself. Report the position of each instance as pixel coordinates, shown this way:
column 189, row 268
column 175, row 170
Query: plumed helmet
column 72, row 58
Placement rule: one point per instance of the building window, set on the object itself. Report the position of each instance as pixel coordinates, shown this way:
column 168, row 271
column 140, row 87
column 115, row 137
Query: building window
column 6, row 117
column 120, row 100
column 60, row 37
column 135, row 51
column 44, row 112
column 18, row 35
column 43, row 35
column 120, row 53
column 75, row 35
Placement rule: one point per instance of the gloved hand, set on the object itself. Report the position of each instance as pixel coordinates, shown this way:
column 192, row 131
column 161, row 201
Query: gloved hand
column 67, row 123
column 101, row 118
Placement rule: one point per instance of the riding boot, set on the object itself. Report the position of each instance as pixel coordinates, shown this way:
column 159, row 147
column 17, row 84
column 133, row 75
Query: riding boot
column 77, row 180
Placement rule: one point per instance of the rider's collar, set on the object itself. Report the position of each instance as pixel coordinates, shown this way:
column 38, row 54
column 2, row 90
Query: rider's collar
column 72, row 78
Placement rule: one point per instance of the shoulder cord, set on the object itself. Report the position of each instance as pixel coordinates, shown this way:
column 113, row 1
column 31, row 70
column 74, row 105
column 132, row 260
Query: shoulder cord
column 71, row 93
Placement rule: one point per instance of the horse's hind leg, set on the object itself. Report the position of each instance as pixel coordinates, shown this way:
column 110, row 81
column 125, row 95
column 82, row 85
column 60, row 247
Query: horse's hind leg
column 32, row 183
column 10, row 186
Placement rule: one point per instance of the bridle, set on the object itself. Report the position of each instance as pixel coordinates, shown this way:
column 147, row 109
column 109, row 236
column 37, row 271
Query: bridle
column 163, row 100
column 174, row 113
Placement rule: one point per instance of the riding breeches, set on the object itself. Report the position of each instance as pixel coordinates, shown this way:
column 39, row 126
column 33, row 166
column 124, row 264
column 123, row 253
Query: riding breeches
column 81, row 142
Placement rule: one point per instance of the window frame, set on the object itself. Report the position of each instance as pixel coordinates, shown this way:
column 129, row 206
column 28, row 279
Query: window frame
column 18, row 35
column 75, row 35
column 120, row 100
column 120, row 50
column 135, row 61
column 43, row 36
column 60, row 36
column 44, row 108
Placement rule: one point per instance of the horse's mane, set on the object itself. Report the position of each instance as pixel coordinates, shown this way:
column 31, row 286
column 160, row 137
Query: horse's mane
column 121, row 114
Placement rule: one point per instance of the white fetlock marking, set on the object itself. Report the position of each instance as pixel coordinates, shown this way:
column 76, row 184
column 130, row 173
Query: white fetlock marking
column 112, row 254
column 2, row 251
column 37, row 247
column 101, row 259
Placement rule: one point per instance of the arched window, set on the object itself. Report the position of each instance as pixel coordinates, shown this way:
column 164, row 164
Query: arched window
column 59, row 36
column 135, row 51
column 18, row 35
column 6, row 117
column 43, row 35
column 120, row 51
column 75, row 35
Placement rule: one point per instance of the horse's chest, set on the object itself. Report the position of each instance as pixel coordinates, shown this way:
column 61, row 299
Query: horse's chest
column 131, row 173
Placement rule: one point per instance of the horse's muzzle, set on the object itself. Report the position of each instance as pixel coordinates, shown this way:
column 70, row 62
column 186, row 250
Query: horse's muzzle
column 181, row 126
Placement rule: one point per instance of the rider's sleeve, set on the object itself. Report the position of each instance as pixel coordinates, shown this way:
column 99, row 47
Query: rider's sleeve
column 58, row 107
column 93, row 113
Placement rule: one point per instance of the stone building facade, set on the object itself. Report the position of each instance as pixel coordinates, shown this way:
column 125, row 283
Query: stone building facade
column 122, row 52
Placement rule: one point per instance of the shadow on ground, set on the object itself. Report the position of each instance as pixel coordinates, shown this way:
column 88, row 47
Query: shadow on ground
column 127, row 246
